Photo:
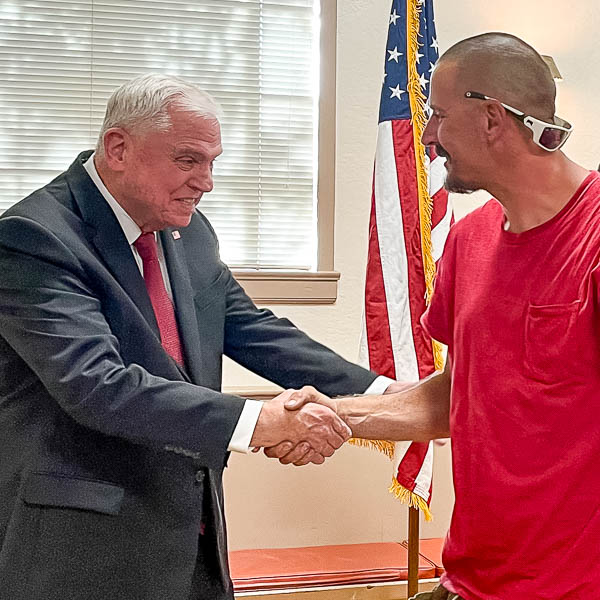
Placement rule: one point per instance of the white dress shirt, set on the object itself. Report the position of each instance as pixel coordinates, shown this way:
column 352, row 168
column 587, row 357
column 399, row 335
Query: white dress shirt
column 242, row 434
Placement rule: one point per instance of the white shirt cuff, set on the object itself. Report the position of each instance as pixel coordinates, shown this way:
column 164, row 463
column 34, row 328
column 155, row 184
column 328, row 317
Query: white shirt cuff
column 242, row 434
column 379, row 385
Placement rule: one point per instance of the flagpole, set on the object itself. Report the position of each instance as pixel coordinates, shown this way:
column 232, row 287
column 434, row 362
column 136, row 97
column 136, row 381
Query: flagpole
column 413, row 551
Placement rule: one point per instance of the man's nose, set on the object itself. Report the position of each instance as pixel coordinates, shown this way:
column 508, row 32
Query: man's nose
column 202, row 180
column 429, row 136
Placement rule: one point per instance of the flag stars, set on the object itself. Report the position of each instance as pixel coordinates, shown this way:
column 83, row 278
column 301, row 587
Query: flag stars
column 431, row 66
column 397, row 92
column 435, row 45
column 394, row 17
column 423, row 81
column 394, row 54
column 419, row 56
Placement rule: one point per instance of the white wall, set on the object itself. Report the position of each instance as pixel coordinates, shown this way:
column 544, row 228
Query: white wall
column 346, row 499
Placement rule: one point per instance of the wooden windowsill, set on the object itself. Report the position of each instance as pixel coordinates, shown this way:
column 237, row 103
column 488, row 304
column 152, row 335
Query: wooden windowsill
column 289, row 287
column 253, row 392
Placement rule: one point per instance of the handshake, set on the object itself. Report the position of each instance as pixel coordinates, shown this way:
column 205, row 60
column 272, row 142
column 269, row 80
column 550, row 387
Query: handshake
column 303, row 426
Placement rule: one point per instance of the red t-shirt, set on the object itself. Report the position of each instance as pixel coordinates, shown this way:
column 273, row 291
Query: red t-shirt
column 520, row 315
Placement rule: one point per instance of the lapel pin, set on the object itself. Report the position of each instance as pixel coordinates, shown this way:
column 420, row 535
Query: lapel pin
column 176, row 235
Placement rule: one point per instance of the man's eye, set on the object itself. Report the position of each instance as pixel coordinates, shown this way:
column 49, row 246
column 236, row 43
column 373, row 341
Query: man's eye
column 188, row 163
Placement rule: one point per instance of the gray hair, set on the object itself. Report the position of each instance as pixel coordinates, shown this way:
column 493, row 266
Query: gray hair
column 141, row 104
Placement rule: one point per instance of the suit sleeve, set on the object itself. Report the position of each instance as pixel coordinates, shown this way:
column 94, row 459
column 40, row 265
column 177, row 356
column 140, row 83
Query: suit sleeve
column 53, row 320
column 277, row 350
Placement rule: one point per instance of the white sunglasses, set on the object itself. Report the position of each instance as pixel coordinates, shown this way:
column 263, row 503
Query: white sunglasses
column 548, row 136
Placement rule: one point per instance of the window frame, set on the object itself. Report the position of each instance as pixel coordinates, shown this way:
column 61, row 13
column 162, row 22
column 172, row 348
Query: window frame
column 311, row 287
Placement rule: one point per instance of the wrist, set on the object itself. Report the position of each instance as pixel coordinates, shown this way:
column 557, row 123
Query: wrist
column 340, row 407
column 267, row 426
column 353, row 411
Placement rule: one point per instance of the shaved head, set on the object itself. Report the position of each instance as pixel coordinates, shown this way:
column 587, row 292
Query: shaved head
column 482, row 142
column 505, row 67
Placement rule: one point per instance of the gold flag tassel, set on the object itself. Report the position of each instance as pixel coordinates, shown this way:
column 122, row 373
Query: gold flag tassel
column 407, row 497
column 419, row 121
column 383, row 446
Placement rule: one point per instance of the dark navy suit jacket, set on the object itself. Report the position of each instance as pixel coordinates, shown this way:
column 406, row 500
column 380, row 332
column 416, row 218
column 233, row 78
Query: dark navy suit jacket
column 110, row 455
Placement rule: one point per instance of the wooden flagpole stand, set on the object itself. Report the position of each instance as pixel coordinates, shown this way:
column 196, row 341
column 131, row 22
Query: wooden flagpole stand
column 413, row 551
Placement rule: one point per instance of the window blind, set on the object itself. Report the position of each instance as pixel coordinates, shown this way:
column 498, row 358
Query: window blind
column 61, row 59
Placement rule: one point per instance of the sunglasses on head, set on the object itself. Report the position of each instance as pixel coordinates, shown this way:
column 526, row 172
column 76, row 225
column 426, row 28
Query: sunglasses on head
column 548, row 136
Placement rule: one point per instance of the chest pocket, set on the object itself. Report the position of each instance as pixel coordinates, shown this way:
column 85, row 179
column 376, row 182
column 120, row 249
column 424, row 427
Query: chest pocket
column 551, row 342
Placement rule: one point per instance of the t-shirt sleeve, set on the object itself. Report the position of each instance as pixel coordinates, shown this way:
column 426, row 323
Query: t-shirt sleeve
column 438, row 319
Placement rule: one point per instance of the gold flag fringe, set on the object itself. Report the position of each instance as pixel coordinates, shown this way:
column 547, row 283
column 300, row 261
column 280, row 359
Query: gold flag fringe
column 383, row 446
column 413, row 500
column 419, row 122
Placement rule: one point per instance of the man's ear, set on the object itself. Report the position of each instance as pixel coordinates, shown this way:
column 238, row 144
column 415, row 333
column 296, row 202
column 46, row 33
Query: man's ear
column 117, row 146
column 494, row 120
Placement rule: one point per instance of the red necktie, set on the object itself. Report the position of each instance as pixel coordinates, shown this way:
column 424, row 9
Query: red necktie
column 161, row 303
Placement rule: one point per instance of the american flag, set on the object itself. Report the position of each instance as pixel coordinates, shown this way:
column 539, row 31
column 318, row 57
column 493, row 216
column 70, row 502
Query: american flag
column 410, row 219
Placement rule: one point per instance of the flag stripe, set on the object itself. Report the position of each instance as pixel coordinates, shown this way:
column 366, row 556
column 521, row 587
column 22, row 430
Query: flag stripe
column 410, row 464
column 413, row 466
column 379, row 343
column 437, row 175
column 424, row 479
column 393, row 258
column 414, row 277
column 439, row 233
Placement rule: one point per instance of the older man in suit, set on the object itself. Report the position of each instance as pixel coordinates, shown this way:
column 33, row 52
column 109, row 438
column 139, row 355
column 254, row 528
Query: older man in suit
column 116, row 312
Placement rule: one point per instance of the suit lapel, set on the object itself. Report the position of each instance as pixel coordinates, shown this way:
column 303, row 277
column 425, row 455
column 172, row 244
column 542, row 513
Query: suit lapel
column 183, row 296
column 109, row 239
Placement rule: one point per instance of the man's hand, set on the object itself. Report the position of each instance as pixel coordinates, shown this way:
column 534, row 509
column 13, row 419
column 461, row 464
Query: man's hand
column 300, row 454
column 298, row 398
column 308, row 431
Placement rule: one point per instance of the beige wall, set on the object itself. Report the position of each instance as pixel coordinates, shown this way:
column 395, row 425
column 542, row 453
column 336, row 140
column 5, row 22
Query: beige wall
column 346, row 500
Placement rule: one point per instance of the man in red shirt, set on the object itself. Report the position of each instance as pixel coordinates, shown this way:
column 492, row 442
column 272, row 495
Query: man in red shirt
column 517, row 303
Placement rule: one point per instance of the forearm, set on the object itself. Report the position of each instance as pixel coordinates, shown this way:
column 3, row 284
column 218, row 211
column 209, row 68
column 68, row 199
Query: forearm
column 274, row 348
column 420, row 413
